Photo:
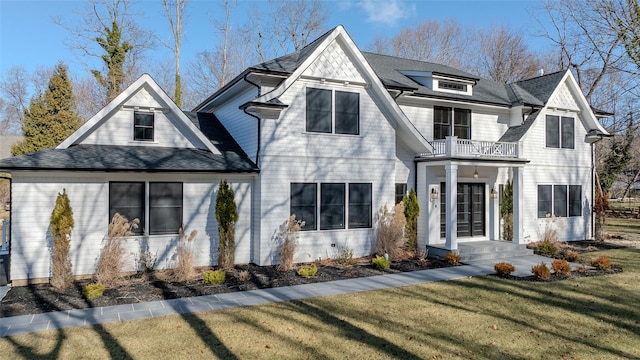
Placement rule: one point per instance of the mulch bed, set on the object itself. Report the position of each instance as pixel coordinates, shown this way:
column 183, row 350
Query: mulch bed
column 34, row 299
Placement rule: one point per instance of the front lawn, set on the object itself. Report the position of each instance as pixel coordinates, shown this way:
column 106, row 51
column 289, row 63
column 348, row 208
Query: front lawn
column 483, row 318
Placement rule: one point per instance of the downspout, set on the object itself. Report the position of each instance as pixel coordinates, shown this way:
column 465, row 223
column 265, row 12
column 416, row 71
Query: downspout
column 255, row 117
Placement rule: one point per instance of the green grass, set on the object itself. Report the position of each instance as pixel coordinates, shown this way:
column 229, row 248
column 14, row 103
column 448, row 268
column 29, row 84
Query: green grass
column 482, row 318
column 628, row 228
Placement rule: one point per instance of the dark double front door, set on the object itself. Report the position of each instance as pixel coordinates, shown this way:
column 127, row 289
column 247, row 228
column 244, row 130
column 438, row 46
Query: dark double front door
column 470, row 207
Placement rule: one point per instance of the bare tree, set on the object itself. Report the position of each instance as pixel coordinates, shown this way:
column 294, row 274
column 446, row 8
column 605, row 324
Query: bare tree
column 174, row 10
column 15, row 94
column 107, row 31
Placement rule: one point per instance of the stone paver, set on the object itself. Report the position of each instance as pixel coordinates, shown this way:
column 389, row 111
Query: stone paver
column 93, row 316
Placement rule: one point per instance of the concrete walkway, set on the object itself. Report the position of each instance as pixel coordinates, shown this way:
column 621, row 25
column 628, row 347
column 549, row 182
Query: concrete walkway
column 80, row 317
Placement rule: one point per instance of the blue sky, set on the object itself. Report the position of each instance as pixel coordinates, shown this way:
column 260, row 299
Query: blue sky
column 28, row 37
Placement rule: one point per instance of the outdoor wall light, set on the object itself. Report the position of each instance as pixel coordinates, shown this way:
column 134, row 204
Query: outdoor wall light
column 434, row 194
column 475, row 173
column 493, row 194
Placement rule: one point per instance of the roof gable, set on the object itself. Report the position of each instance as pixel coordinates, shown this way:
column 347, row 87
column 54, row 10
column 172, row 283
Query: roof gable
column 144, row 93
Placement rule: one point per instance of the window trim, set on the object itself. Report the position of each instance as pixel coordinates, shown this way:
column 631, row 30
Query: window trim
column 143, row 127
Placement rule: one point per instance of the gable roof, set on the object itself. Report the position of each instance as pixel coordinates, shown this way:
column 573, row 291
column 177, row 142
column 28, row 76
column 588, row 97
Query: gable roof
column 143, row 81
column 537, row 90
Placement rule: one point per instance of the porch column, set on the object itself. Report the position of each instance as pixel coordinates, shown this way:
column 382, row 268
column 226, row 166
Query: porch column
column 451, row 170
column 518, row 177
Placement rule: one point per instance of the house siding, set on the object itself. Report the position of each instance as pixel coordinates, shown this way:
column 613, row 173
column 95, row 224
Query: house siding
column 35, row 194
column 242, row 127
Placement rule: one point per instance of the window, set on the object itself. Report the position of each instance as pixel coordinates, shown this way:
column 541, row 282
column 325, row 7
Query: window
column 303, row 203
column 165, row 205
column 359, row 206
column 401, row 191
column 451, row 86
column 562, row 199
column 127, row 199
column 442, row 123
column 560, row 132
column 143, row 126
column 331, row 206
column 165, row 208
column 319, row 112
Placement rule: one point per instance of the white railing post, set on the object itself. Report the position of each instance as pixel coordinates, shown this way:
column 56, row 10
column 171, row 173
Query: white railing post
column 452, row 146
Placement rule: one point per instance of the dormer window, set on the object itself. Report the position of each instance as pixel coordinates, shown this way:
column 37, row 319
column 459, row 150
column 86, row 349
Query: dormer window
column 143, row 124
column 452, row 86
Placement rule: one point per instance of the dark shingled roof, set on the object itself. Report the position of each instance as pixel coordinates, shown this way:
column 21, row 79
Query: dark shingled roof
column 515, row 133
column 143, row 158
column 537, row 90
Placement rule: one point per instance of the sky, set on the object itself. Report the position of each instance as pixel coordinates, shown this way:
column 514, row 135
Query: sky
column 29, row 37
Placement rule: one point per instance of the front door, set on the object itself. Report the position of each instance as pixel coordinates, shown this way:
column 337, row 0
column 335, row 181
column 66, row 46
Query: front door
column 470, row 207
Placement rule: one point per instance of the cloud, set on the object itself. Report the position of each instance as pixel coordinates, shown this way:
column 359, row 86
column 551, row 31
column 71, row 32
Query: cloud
column 387, row 12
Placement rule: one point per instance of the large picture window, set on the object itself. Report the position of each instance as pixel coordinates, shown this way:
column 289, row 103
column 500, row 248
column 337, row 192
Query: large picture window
column 560, row 132
column 143, row 123
column 559, row 200
column 303, row 203
column 164, row 212
column 359, row 206
column 323, row 117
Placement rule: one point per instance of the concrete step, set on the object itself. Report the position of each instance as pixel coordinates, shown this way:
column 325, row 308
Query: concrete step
column 494, row 255
column 487, row 250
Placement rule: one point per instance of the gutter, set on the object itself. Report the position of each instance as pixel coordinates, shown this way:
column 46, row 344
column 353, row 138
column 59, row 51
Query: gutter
column 255, row 117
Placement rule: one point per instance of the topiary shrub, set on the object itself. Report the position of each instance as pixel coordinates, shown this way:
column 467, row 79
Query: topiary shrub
column 546, row 248
column 411, row 213
column 570, row 255
column 504, row 269
column 213, row 277
column 541, row 271
column 380, row 263
column 602, row 263
column 92, row 291
column 561, row 267
column 61, row 224
column 452, row 258
column 308, row 271
column 226, row 216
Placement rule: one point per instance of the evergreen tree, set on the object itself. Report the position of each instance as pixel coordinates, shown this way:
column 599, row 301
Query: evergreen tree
column 114, row 60
column 51, row 116
column 506, row 211
column 61, row 225
column 411, row 212
column 226, row 216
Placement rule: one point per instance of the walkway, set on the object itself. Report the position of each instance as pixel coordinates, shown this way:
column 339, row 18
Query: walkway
column 81, row 317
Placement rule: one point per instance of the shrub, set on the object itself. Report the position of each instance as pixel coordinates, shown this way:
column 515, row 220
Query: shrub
column 411, row 213
column 380, row 263
column 213, row 277
column 452, row 258
column 244, row 276
column 112, row 258
column 226, row 216
column 288, row 236
column 570, row 255
column 92, row 291
column 184, row 268
column 504, row 269
column 602, row 263
column 541, row 271
column 546, row 248
column 61, row 223
column 506, row 211
column 561, row 267
column 308, row 271
column 390, row 231
column 507, row 227
column 346, row 257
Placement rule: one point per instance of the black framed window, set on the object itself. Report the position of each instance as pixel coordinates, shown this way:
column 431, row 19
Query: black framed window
column 127, row 199
column 552, row 131
column 332, row 206
column 347, row 112
column 462, row 123
column 545, row 202
column 165, row 207
column 575, row 200
column 560, row 200
column 441, row 122
column 318, row 110
column 360, row 205
column 567, row 130
column 451, row 86
column 401, row 191
column 304, row 203
column 143, row 123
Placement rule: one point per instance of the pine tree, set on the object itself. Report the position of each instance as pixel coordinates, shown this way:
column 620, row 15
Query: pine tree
column 51, row 116
column 61, row 225
column 226, row 215
column 114, row 60
column 506, row 210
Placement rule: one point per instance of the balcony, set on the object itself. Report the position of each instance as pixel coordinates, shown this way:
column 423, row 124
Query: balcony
column 452, row 147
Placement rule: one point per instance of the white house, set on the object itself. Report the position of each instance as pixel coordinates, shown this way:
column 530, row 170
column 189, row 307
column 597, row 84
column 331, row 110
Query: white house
column 329, row 133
